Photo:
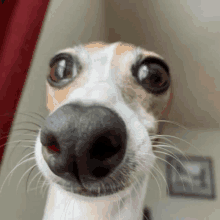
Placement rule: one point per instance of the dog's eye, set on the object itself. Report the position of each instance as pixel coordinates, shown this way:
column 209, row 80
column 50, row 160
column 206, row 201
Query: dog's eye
column 153, row 75
column 60, row 71
column 63, row 69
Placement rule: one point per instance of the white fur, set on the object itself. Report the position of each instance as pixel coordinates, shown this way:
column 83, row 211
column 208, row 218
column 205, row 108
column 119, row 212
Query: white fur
column 101, row 89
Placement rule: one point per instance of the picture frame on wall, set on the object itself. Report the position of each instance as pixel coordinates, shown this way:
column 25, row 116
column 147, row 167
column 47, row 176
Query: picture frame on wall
column 190, row 176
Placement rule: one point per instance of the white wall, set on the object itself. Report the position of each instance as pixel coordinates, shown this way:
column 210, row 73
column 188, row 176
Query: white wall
column 67, row 22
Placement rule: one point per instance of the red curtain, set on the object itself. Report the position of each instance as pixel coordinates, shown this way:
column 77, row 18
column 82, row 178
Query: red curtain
column 21, row 21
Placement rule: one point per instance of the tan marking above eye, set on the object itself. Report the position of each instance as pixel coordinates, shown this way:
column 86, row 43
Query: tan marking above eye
column 122, row 48
column 97, row 44
column 94, row 46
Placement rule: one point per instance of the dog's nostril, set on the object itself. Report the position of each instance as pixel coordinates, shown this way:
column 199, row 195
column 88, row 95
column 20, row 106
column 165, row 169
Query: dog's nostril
column 103, row 148
column 53, row 148
column 100, row 172
column 105, row 153
column 50, row 142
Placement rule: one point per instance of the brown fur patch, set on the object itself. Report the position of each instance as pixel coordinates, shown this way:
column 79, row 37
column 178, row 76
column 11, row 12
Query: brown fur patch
column 94, row 46
column 122, row 48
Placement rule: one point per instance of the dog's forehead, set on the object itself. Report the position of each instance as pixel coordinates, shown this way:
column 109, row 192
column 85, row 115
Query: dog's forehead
column 119, row 48
column 112, row 49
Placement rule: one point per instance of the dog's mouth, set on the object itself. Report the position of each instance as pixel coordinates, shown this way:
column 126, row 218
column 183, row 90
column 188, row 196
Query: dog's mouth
column 95, row 192
column 109, row 185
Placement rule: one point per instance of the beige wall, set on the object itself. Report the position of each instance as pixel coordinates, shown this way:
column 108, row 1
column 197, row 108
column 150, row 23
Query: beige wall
column 186, row 33
column 67, row 22
column 206, row 143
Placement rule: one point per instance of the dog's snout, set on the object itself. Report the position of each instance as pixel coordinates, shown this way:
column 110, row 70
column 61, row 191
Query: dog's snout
column 87, row 142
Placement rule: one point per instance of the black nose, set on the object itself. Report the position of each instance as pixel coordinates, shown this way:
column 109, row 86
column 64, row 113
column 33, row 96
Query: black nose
column 85, row 142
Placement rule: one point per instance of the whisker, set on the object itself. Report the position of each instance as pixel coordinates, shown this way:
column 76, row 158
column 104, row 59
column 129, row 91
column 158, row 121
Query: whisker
column 39, row 173
column 43, row 187
column 26, row 122
column 39, row 180
column 24, row 175
column 161, row 174
column 18, row 141
column 32, row 189
column 175, row 157
column 173, row 122
column 28, row 177
column 163, row 145
column 23, row 158
column 14, row 169
column 47, row 186
column 183, row 141
column 170, row 153
column 27, row 147
column 42, row 117
column 28, row 114
column 7, row 136
column 171, row 166
column 24, row 129
column 16, row 146
column 163, row 138
column 158, row 146
column 21, row 113
column 148, row 170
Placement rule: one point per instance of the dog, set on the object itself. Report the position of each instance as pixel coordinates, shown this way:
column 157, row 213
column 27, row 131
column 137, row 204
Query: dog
column 95, row 147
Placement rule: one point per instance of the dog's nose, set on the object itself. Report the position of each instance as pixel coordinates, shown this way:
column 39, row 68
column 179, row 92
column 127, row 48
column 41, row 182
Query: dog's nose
column 85, row 142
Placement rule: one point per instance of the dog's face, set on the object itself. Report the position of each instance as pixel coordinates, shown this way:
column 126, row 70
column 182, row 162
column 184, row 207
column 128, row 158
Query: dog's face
column 104, row 100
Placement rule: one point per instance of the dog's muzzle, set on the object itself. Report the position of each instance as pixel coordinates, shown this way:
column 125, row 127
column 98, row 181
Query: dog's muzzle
column 85, row 143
